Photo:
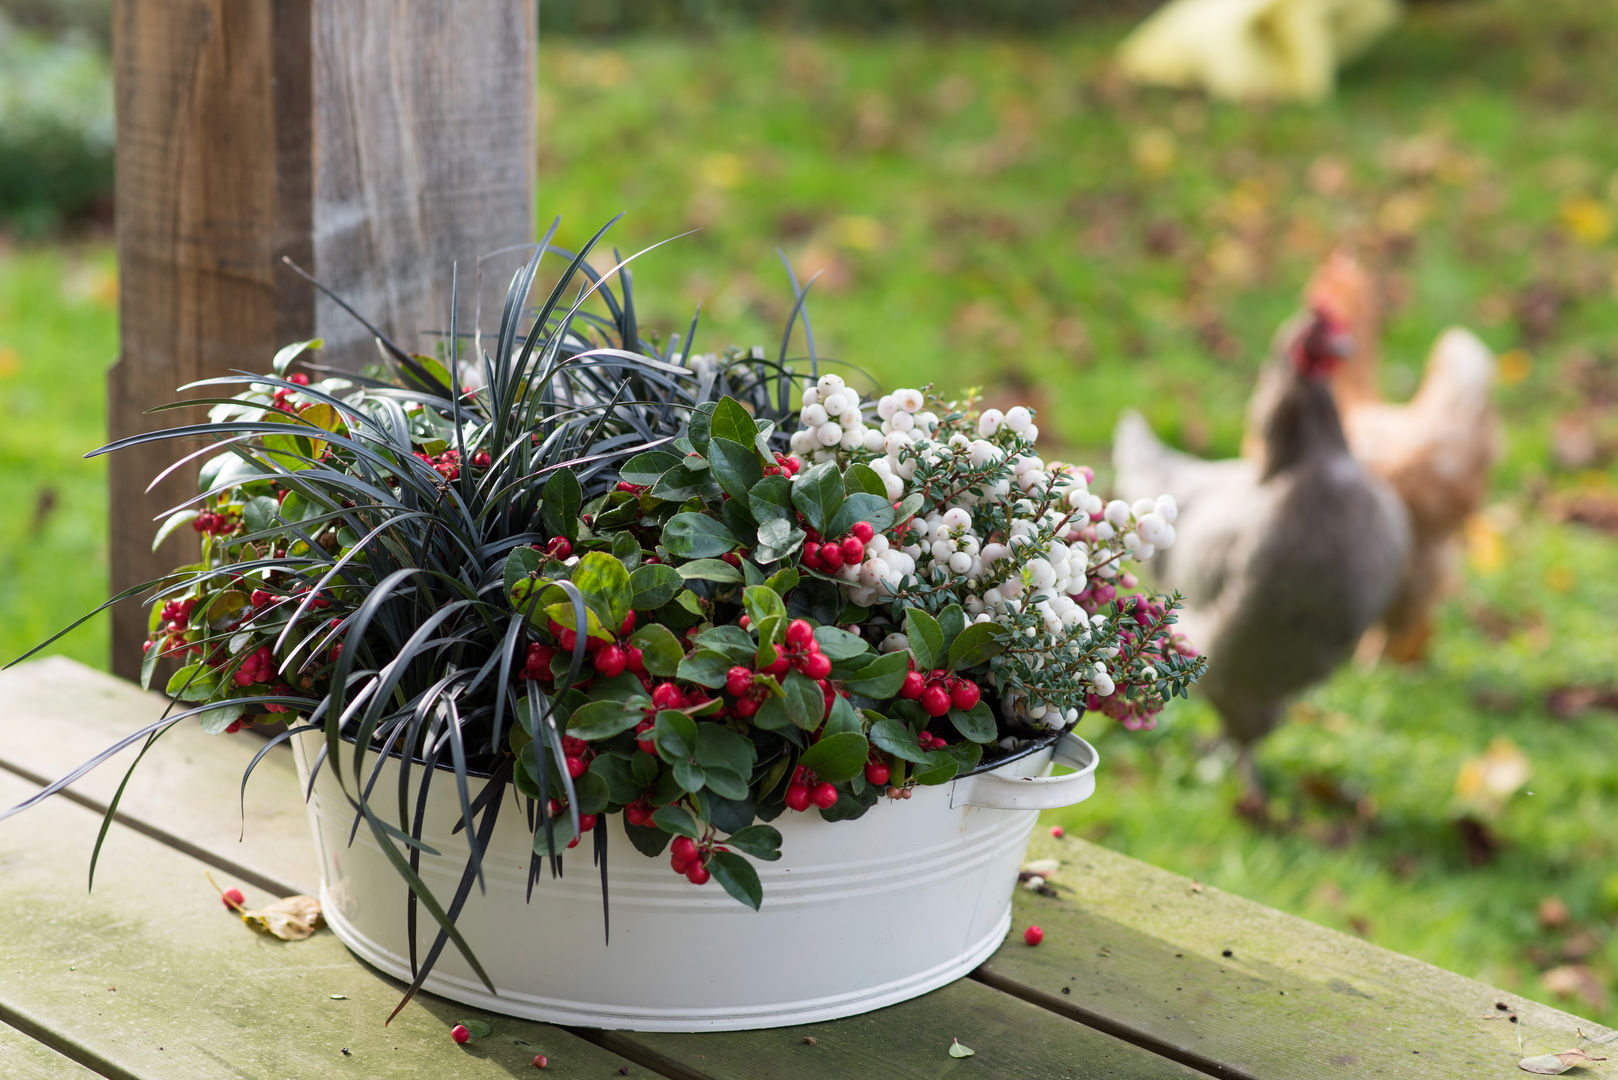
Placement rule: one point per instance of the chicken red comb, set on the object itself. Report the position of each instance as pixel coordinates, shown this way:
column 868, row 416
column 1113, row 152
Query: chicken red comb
column 1320, row 345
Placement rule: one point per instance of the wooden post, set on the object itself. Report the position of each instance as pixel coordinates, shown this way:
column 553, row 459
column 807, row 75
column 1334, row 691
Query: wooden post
column 375, row 142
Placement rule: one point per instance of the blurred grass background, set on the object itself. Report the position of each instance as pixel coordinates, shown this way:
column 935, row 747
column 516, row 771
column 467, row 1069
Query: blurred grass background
column 991, row 205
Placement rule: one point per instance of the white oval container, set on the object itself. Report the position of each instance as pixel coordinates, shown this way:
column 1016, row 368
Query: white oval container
column 856, row 914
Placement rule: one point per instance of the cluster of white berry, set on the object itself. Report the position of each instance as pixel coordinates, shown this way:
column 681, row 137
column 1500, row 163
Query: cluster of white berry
column 830, row 420
column 1012, row 539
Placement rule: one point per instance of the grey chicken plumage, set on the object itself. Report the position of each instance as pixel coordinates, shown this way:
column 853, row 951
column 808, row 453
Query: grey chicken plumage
column 1284, row 561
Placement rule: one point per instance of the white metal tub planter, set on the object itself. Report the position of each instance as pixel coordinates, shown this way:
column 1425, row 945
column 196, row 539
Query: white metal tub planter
column 784, row 665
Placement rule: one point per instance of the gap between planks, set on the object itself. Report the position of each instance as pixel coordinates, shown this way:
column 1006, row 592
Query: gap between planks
column 1107, row 1025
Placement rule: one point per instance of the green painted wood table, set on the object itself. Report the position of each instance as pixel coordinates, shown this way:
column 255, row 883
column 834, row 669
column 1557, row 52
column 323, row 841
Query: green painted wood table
column 147, row 977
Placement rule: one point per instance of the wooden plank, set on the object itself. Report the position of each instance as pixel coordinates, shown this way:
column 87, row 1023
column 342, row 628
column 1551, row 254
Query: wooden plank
column 149, row 978
column 1011, row 1039
column 59, row 713
column 1241, row 990
column 375, row 142
column 26, row 1059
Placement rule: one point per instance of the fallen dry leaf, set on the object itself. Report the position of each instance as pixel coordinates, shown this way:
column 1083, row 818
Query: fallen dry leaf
column 1579, row 982
column 1042, row 867
column 1556, row 1064
column 291, row 918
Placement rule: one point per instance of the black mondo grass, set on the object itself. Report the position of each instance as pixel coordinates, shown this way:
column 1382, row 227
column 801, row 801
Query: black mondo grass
column 376, row 554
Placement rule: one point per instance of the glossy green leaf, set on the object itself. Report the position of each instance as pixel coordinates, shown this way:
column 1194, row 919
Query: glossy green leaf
column 926, row 639
column 805, row 704
column 881, row 678
column 720, row 747
column 678, row 820
column 975, row 645
column 705, row 667
column 648, row 467
column 604, row 581
column 697, row 536
column 839, row 644
column 596, row 720
column 736, row 467
column 759, row 841
column 838, row 757
column 738, row 877
column 893, row 737
column 732, row 421
column 653, row 585
column 660, row 649
column 709, row 570
column 676, row 736
column 861, row 506
column 818, row 493
column 771, row 498
column 976, row 723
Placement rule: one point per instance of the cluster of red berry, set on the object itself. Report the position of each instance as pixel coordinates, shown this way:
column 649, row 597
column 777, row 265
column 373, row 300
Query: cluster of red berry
column 173, row 622
column 447, row 464
column 833, row 555
column 787, row 464
column 259, row 667
column 214, row 523
column 807, row 789
column 939, row 691
column 556, row 808
column 799, row 651
column 283, row 396
column 690, row 858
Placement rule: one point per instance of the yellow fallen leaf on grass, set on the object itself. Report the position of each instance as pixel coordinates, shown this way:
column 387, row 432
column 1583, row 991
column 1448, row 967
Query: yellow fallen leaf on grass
column 1492, row 777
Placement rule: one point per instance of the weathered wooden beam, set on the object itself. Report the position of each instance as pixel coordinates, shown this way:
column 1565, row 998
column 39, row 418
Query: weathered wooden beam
column 374, row 142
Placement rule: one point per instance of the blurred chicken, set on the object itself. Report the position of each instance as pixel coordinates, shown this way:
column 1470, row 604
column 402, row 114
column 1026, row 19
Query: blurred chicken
column 1254, row 49
column 1284, row 559
column 1436, row 451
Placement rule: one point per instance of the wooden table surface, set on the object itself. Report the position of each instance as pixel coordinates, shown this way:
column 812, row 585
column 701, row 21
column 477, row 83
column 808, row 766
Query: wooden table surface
column 148, row 977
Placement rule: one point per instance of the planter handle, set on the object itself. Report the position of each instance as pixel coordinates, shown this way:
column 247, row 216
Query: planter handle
column 993, row 791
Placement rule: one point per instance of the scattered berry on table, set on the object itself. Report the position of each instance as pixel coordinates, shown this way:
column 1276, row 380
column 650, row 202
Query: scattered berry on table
column 1033, row 935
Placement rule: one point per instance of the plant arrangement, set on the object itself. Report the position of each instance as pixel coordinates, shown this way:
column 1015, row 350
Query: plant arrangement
column 700, row 591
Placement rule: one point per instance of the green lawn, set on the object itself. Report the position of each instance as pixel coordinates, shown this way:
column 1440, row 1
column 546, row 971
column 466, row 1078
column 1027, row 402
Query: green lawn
column 1005, row 212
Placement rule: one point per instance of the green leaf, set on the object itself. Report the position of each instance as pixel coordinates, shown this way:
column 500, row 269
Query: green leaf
column 762, row 602
column 705, row 667
column 561, row 834
column 952, row 620
column 477, row 1028
column 564, row 614
column 732, row 421
column 893, row 737
column 260, row 512
column 646, row 468
column 729, row 639
column 738, row 877
column 759, row 841
column 194, row 682
column 596, row 720
column 838, row 757
column 660, row 649
column 604, row 581
column 861, row 506
column 771, row 498
column 689, row 776
column 956, row 1050
column 975, row 645
column 783, row 580
column 684, row 482
column 976, row 723
column 777, row 538
column 735, row 466
column 926, row 638
column 839, row 644
column 676, row 819
column 696, row 536
column 805, row 704
column 653, row 585
column 699, row 427
column 709, row 570
column 288, row 353
column 861, row 477
column 616, row 773
column 217, row 720
column 720, row 747
column 519, row 564
column 882, row 677
column 772, row 715
column 560, row 502
column 676, row 736
column 172, row 522
column 724, row 783
column 818, row 493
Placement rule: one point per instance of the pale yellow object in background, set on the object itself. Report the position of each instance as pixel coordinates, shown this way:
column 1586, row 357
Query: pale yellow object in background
column 1254, row 49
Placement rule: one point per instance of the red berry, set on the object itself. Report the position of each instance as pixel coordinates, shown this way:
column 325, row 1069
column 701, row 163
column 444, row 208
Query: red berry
column 863, row 530
column 459, row 1033
column 823, row 795
column 646, row 744
column 586, row 822
column 877, row 773
column 965, row 695
column 576, row 767
column 913, row 685
column 1058, row 832
column 746, row 707
column 816, row 666
column 611, row 660
column 797, row 797
column 732, row 558
column 811, row 555
column 559, row 547
column 935, row 700
column 635, row 659
column 778, row 666
column 541, row 1061
column 744, row 622
column 482, row 459
column 628, row 625
column 233, row 898
column 665, row 695
column 738, row 680
column 1033, row 935
column 697, row 874
column 683, row 852
column 853, row 550
column 832, row 555
column 799, row 633
column 567, row 639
